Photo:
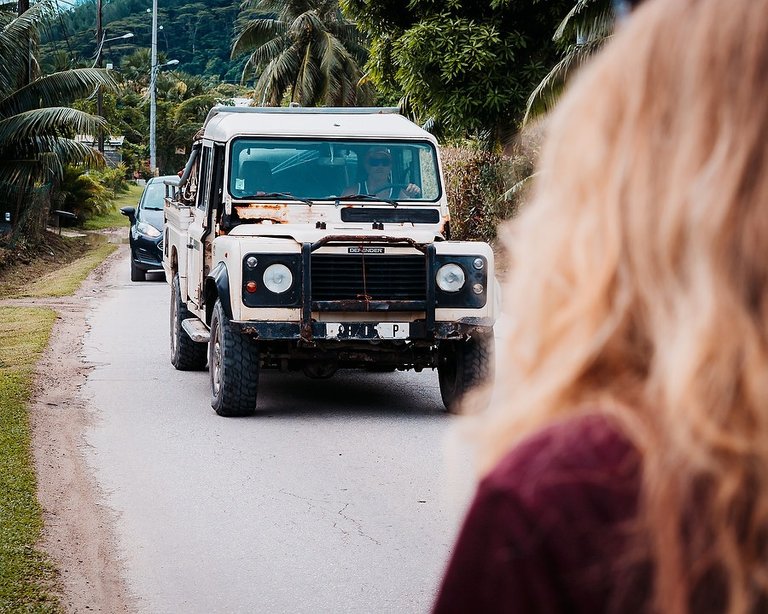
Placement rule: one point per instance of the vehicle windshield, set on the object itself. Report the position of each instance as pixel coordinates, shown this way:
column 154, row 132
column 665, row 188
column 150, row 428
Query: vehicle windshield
column 153, row 197
column 334, row 169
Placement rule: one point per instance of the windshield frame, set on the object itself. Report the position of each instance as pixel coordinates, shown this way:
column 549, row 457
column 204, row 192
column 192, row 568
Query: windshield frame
column 349, row 168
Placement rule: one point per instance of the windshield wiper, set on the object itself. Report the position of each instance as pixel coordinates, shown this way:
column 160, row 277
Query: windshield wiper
column 369, row 198
column 284, row 195
column 153, row 208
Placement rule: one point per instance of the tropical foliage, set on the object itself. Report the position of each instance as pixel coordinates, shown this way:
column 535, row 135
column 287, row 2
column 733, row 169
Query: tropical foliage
column 476, row 182
column 304, row 49
column 585, row 29
column 36, row 131
column 198, row 34
column 80, row 193
column 468, row 65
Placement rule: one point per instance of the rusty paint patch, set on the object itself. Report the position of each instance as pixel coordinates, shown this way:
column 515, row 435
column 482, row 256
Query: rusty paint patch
column 280, row 214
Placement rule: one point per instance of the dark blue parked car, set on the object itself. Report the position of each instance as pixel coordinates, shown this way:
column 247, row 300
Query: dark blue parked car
column 146, row 236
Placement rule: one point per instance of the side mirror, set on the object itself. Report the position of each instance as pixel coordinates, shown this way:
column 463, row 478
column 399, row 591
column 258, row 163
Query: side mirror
column 129, row 212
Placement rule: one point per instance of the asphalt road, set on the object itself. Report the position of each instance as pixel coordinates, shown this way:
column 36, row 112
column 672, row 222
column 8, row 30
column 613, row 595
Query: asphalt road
column 341, row 495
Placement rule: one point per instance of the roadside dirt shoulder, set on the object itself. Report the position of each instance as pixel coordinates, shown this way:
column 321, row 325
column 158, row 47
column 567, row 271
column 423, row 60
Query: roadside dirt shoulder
column 78, row 531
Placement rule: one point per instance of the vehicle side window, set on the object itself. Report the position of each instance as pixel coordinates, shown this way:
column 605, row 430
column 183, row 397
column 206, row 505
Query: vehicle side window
column 203, row 193
column 217, row 178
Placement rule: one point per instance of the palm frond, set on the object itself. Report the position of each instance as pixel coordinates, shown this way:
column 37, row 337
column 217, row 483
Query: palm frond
column 55, row 88
column 268, row 51
column 586, row 21
column 46, row 121
column 316, row 55
column 264, row 56
column 43, row 158
column 519, row 187
column 278, row 77
column 194, row 107
column 340, row 72
column 255, row 34
column 545, row 96
column 15, row 40
column 308, row 85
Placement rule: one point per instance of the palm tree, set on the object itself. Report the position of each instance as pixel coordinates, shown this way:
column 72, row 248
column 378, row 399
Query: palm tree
column 136, row 68
column 36, row 133
column 588, row 25
column 305, row 47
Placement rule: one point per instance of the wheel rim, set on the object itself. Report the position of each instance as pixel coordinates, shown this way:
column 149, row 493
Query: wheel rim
column 215, row 361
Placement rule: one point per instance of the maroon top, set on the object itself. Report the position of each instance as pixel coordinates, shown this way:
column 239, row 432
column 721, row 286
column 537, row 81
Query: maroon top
column 546, row 530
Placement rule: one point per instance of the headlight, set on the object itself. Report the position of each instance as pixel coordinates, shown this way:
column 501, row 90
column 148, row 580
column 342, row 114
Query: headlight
column 278, row 278
column 148, row 229
column 450, row 277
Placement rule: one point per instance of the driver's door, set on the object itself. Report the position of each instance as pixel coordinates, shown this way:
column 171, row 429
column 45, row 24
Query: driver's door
column 198, row 228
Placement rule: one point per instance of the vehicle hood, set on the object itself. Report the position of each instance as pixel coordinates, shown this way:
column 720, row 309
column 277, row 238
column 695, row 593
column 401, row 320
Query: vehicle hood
column 150, row 216
column 303, row 233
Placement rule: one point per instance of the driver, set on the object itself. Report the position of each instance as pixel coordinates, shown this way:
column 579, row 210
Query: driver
column 378, row 177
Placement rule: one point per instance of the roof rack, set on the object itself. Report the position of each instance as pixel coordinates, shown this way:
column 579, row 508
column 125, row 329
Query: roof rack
column 302, row 110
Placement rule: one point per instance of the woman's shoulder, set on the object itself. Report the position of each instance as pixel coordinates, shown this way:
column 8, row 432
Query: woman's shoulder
column 587, row 458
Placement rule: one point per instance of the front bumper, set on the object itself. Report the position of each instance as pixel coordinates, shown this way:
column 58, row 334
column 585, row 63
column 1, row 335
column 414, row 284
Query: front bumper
column 371, row 332
column 147, row 252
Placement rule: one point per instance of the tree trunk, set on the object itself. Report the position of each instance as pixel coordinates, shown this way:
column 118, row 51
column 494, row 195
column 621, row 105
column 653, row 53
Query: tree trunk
column 30, row 226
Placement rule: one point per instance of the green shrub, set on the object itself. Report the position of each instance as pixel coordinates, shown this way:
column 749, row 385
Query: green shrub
column 113, row 178
column 475, row 187
column 485, row 188
column 80, row 192
column 88, row 192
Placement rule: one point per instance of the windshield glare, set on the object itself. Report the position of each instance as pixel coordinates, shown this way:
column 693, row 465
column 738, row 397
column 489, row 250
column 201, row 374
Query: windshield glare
column 154, row 195
column 321, row 170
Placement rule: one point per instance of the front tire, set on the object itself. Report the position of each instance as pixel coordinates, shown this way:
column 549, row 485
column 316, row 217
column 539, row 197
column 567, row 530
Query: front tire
column 137, row 274
column 462, row 366
column 233, row 361
column 186, row 355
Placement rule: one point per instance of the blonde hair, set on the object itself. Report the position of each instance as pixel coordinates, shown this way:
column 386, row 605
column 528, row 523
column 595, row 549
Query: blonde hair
column 639, row 285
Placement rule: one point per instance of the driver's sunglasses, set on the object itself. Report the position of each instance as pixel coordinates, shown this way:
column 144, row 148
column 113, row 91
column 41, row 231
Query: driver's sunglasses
column 379, row 162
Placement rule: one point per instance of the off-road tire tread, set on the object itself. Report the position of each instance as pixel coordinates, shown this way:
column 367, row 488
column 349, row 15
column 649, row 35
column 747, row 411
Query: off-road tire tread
column 240, row 367
column 190, row 355
column 474, row 361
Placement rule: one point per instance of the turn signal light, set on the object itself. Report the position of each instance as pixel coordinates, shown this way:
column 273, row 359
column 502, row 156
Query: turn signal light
column 250, row 287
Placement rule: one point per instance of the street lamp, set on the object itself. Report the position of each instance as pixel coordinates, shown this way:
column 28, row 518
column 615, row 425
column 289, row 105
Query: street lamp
column 97, row 63
column 153, row 92
column 153, row 113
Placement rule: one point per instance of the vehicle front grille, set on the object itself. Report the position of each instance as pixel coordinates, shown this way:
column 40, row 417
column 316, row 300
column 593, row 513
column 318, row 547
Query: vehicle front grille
column 368, row 277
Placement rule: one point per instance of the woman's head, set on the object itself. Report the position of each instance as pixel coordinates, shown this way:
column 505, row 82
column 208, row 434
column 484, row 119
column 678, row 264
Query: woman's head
column 641, row 255
column 378, row 164
column 638, row 273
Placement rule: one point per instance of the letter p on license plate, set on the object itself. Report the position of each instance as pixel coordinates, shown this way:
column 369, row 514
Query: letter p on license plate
column 367, row 330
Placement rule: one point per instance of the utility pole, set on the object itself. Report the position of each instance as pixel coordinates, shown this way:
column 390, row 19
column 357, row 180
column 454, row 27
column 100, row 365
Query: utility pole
column 99, row 94
column 153, row 93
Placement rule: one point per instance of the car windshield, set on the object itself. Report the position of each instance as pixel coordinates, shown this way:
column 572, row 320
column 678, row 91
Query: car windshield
column 334, row 169
column 153, row 197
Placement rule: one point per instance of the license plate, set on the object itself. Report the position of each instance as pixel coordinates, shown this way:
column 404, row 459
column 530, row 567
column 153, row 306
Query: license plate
column 367, row 330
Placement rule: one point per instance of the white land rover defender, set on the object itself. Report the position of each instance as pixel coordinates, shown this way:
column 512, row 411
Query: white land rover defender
column 279, row 258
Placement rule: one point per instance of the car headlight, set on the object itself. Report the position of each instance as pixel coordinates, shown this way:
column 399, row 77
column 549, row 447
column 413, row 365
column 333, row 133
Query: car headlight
column 148, row 229
column 278, row 278
column 450, row 277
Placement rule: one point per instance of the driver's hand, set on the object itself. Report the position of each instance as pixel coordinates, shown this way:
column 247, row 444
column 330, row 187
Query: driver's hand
column 412, row 189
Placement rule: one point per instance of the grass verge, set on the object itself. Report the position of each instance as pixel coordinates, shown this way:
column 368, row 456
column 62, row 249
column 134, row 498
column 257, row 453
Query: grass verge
column 65, row 280
column 28, row 578
column 26, row 574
